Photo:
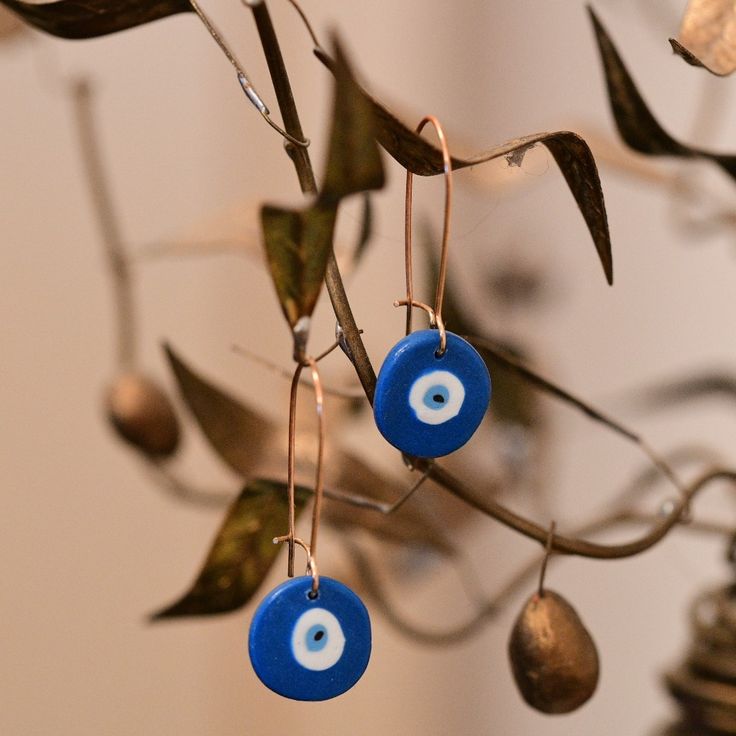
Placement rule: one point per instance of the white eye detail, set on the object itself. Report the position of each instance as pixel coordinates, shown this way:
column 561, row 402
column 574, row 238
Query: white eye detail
column 437, row 397
column 317, row 641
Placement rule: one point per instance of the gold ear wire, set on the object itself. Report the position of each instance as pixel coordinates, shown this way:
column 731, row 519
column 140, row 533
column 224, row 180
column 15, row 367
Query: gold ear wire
column 291, row 538
column 442, row 275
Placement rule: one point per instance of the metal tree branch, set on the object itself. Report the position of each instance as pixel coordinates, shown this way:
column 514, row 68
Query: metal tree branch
column 366, row 374
column 104, row 209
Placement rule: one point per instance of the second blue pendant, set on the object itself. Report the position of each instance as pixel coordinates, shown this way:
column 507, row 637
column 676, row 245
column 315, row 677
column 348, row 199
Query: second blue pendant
column 429, row 406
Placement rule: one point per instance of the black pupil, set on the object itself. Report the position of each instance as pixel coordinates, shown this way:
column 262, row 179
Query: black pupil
column 438, row 398
column 319, row 635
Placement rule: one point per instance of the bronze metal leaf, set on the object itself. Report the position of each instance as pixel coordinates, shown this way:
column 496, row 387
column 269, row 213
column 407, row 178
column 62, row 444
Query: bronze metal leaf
column 242, row 553
column 707, row 36
column 569, row 150
column 354, row 160
column 239, row 435
column 89, row 18
column 298, row 244
column 635, row 122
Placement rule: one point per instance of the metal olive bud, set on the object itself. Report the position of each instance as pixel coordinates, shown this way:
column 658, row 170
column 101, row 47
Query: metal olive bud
column 143, row 415
column 553, row 657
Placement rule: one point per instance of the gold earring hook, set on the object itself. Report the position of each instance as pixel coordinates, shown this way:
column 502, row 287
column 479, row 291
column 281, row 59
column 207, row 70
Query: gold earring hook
column 291, row 538
column 442, row 274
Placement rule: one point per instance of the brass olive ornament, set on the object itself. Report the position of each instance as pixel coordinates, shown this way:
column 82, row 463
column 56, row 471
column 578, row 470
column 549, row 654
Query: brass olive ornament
column 143, row 415
column 553, row 657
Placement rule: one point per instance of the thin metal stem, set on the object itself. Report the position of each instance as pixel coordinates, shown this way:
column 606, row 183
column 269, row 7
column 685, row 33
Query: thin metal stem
column 495, row 605
column 108, row 222
column 284, row 95
column 545, row 560
column 297, row 142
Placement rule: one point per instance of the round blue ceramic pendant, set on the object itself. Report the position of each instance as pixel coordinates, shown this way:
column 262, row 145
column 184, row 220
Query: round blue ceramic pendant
column 310, row 648
column 429, row 406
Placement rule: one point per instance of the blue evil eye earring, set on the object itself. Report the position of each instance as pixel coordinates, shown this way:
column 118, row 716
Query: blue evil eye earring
column 433, row 388
column 308, row 647
column 310, row 637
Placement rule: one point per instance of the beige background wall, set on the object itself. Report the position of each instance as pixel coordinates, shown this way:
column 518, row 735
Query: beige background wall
column 89, row 546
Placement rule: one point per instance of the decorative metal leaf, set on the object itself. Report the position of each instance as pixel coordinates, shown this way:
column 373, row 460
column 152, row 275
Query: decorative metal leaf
column 242, row 553
column 89, row 18
column 636, row 124
column 298, row 244
column 569, row 150
column 354, row 161
column 708, row 36
column 366, row 231
column 239, row 435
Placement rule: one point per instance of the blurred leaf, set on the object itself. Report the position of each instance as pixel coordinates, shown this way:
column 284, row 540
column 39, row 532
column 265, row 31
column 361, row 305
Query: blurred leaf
column 239, row 435
column 298, row 244
column 635, row 122
column 90, row 18
column 354, row 161
column 512, row 400
column 691, row 388
column 408, row 525
column 366, row 230
column 242, row 553
column 706, row 37
column 569, row 150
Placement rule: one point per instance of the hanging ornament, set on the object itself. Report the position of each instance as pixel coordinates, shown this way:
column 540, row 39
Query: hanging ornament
column 553, row 657
column 428, row 405
column 310, row 637
column 433, row 388
column 308, row 647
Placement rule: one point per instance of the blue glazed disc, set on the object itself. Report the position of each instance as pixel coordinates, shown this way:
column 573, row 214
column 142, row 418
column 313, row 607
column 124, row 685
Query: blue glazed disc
column 428, row 406
column 310, row 648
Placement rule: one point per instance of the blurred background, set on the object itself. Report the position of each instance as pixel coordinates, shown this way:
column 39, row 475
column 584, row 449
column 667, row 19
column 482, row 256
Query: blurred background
column 91, row 545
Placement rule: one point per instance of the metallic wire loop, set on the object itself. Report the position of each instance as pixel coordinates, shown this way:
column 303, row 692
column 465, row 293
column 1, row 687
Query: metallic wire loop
column 311, row 562
column 442, row 275
column 435, row 321
column 291, row 538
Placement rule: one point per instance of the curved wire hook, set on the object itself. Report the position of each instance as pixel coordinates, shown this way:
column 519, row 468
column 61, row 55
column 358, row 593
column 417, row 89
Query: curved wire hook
column 291, row 537
column 435, row 320
column 441, row 276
